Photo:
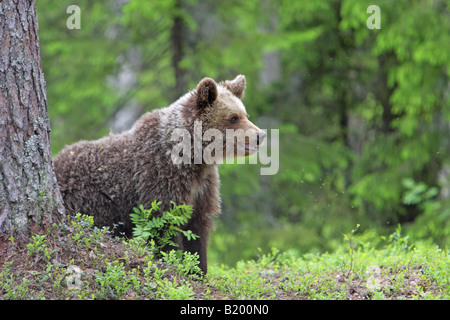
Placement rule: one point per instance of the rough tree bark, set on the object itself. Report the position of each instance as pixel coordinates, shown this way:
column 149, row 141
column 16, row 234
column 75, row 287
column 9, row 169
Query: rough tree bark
column 29, row 194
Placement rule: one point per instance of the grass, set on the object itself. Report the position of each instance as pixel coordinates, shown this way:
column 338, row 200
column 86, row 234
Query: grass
column 77, row 261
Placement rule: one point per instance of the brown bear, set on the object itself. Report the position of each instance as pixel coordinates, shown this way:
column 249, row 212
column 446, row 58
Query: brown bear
column 106, row 178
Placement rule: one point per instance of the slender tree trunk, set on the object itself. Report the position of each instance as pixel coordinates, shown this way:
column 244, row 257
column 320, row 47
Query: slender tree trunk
column 384, row 93
column 29, row 194
column 176, row 38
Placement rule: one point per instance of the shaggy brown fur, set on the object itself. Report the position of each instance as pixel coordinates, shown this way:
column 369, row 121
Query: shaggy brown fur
column 106, row 178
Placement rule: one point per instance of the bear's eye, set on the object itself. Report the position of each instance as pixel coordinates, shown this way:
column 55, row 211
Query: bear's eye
column 234, row 119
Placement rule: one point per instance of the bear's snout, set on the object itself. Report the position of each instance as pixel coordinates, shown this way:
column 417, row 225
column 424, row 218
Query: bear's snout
column 260, row 137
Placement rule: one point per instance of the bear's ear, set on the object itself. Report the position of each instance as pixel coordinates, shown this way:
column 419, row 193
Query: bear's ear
column 206, row 92
column 236, row 86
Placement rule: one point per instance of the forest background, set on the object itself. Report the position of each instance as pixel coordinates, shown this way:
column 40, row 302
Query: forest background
column 363, row 113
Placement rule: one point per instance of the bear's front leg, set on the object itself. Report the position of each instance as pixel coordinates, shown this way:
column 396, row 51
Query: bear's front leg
column 200, row 244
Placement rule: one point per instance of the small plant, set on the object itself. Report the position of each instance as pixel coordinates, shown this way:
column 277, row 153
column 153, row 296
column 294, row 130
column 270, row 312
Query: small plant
column 173, row 290
column 352, row 244
column 161, row 228
column 80, row 225
column 185, row 263
column 114, row 282
column 38, row 246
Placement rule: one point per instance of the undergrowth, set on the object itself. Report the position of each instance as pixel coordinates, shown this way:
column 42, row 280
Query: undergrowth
column 366, row 266
column 161, row 229
column 76, row 260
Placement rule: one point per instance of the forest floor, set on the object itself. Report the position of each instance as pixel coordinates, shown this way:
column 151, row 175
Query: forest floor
column 73, row 260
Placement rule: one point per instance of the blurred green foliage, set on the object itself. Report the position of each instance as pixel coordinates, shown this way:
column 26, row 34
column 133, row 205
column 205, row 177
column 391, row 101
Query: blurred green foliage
column 363, row 114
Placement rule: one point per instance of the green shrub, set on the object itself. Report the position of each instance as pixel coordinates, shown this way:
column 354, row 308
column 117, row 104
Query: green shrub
column 161, row 228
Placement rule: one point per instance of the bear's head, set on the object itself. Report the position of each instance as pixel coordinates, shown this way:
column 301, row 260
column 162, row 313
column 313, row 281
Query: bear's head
column 224, row 119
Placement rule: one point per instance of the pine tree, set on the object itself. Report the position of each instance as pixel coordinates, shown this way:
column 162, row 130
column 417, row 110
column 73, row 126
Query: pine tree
column 29, row 194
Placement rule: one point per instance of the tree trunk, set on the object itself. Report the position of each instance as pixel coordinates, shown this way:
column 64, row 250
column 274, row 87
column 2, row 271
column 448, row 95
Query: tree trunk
column 176, row 38
column 29, row 194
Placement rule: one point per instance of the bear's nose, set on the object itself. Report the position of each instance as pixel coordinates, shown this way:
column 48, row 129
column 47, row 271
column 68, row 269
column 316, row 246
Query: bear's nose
column 260, row 137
